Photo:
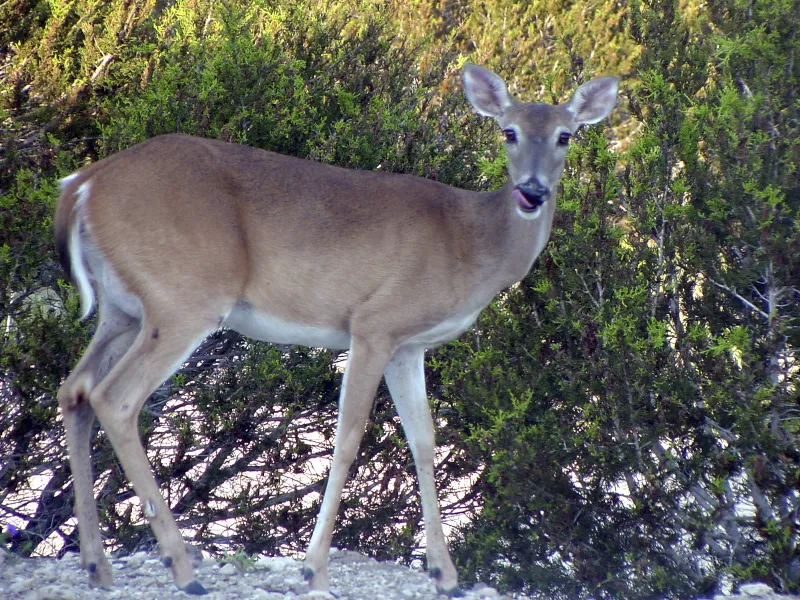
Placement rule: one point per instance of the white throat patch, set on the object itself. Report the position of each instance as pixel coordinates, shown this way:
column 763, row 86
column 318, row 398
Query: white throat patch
column 530, row 216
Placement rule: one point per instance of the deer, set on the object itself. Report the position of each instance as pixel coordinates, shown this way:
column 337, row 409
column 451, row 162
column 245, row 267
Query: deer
column 179, row 236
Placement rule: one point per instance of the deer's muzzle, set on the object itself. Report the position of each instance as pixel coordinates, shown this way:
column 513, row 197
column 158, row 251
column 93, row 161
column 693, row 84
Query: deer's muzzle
column 531, row 195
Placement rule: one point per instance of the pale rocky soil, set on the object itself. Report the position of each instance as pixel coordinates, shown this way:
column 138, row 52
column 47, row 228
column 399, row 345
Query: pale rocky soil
column 142, row 577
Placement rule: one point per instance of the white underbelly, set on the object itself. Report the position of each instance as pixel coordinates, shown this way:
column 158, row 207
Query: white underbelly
column 443, row 332
column 262, row 326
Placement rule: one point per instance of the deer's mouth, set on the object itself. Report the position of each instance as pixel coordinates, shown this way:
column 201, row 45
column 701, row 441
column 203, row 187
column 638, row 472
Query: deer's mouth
column 528, row 201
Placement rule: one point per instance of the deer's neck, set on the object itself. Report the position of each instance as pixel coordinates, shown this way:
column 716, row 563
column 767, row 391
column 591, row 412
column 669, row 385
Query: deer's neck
column 515, row 240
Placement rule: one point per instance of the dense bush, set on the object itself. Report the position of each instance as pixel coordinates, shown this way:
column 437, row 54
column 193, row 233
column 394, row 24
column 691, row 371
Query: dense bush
column 623, row 423
column 641, row 440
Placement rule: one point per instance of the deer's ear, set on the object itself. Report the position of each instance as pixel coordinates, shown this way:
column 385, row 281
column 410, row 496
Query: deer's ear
column 594, row 100
column 485, row 91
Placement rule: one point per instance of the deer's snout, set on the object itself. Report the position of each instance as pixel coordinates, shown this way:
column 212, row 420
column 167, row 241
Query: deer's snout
column 531, row 194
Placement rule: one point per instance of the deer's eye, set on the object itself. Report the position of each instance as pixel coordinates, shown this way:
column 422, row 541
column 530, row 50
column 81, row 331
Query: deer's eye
column 563, row 138
column 511, row 135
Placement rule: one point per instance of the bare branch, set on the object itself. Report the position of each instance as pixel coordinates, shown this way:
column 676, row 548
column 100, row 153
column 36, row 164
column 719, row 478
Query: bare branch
column 742, row 299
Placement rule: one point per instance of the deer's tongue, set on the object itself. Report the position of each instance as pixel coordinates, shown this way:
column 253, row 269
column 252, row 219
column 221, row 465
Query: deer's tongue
column 524, row 203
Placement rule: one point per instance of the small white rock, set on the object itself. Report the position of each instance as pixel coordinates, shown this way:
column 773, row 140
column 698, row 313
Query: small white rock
column 264, row 562
column 135, row 560
column 755, row 589
column 276, row 563
column 481, row 590
column 227, row 569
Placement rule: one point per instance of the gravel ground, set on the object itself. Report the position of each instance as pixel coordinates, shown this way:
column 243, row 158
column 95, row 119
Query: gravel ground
column 142, row 577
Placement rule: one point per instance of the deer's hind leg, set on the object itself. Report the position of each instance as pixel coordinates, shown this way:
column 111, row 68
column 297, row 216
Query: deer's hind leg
column 116, row 330
column 164, row 341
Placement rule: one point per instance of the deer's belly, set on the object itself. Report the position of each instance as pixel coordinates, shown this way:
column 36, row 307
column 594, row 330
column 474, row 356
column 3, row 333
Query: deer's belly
column 262, row 326
column 443, row 332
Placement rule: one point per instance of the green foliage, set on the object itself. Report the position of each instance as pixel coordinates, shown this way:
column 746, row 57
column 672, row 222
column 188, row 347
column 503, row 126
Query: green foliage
column 652, row 342
column 248, row 75
column 239, row 559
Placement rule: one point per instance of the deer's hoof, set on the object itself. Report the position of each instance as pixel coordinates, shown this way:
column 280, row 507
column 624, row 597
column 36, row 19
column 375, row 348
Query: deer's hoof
column 100, row 575
column 195, row 588
column 456, row 592
column 453, row 592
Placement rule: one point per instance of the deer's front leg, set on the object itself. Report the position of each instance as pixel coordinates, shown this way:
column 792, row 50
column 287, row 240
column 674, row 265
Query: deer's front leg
column 365, row 365
column 405, row 377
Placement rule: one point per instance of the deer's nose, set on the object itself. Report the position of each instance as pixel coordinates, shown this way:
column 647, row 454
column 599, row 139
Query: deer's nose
column 532, row 194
